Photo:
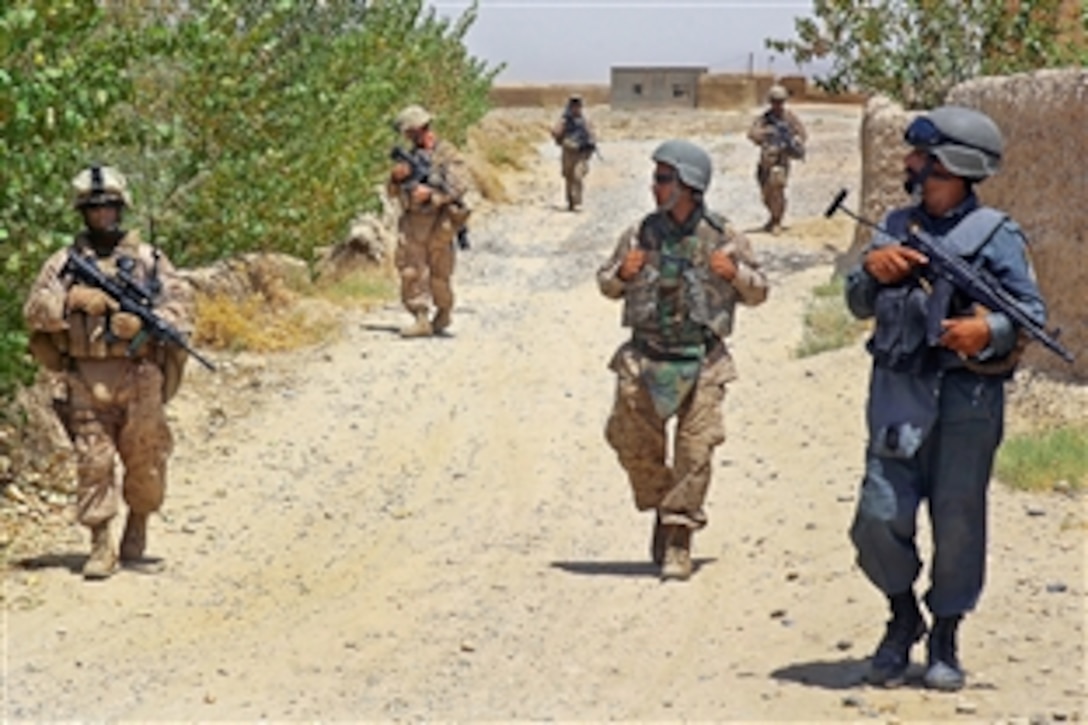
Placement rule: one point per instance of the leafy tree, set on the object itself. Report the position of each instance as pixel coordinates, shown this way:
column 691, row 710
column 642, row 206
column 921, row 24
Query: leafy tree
column 241, row 124
column 916, row 50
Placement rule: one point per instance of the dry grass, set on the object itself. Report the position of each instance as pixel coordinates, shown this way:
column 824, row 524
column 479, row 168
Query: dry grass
column 258, row 325
column 362, row 288
column 498, row 146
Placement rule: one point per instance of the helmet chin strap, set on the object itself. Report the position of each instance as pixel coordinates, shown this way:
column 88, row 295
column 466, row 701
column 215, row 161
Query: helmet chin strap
column 916, row 179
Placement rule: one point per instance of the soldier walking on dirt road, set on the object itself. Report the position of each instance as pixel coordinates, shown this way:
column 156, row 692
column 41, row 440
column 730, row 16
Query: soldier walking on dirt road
column 433, row 214
column 116, row 378
column 936, row 406
column 573, row 133
column 781, row 138
column 680, row 273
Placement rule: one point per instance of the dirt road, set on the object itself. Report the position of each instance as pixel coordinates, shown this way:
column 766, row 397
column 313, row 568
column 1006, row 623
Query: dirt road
column 436, row 529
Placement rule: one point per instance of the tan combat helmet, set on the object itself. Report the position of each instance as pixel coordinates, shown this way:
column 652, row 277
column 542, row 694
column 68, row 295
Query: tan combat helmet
column 777, row 93
column 411, row 118
column 100, row 186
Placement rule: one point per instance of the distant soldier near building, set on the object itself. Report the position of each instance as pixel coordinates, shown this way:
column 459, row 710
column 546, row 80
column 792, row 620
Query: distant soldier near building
column 430, row 181
column 574, row 134
column 781, row 138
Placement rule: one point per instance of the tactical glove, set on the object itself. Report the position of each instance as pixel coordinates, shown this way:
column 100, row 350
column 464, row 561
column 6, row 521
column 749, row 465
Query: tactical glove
column 892, row 263
column 125, row 325
column 91, row 300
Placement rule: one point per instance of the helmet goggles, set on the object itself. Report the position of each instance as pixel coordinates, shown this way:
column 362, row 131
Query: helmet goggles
column 923, row 133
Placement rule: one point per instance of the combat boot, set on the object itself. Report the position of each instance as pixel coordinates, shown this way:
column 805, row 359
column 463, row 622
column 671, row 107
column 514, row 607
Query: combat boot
column 658, row 540
column 441, row 321
column 944, row 671
column 677, row 563
column 134, row 540
column 420, row 328
column 103, row 561
column 888, row 666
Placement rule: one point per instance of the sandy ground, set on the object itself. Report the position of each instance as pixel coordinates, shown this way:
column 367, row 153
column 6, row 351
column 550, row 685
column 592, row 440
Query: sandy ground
column 388, row 529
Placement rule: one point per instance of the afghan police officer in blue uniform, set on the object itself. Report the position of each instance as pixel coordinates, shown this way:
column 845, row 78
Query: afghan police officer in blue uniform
column 936, row 401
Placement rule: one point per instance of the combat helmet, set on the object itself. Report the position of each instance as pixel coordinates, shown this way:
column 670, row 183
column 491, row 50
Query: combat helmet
column 777, row 93
column 412, row 117
column 99, row 186
column 692, row 164
column 966, row 141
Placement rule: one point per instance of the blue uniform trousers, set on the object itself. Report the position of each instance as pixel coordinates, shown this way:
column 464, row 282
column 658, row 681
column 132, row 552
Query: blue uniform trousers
column 951, row 471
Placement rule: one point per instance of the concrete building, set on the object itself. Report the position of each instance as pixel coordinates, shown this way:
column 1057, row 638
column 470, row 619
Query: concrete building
column 656, row 86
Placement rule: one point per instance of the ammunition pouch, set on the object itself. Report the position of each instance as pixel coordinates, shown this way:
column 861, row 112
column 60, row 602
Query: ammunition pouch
column 899, row 337
column 46, row 348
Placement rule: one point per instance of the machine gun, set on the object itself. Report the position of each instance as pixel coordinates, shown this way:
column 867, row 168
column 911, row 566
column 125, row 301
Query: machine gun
column 574, row 127
column 978, row 285
column 783, row 138
column 421, row 169
column 132, row 297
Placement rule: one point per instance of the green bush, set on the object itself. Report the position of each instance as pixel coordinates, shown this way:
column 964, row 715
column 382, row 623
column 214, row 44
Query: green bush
column 242, row 125
column 827, row 323
column 1037, row 461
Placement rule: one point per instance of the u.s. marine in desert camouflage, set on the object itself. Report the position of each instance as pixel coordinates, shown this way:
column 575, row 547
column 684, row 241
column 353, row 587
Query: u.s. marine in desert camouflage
column 432, row 215
column 115, row 396
column 681, row 273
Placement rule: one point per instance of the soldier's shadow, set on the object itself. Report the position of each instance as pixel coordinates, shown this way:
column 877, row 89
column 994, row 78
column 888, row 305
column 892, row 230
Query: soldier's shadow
column 74, row 562
column 621, row 568
column 71, row 561
column 845, row 674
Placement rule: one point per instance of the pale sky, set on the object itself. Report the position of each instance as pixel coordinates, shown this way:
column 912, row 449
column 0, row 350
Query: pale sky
column 578, row 41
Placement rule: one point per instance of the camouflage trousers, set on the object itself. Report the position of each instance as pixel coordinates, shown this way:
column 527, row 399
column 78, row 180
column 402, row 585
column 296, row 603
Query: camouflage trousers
column 772, row 186
column 575, row 168
column 640, row 438
column 115, row 407
column 424, row 258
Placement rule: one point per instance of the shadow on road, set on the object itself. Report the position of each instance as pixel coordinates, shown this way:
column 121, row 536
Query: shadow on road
column 829, row 675
column 71, row 561
column 619, row 568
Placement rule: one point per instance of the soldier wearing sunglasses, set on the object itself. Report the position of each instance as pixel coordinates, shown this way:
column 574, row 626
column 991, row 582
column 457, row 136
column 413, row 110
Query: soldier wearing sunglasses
column 680, row 272
column 936, row 404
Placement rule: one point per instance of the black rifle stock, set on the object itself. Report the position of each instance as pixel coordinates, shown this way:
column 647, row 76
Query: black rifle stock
column 420, row 173
column 131, row 297
column 979, row 285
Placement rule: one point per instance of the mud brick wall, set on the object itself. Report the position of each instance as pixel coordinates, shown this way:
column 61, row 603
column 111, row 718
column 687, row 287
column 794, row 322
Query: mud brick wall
column 1043, row 185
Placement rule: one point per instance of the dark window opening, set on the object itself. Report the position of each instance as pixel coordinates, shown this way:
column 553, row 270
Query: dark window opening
column 637, row 89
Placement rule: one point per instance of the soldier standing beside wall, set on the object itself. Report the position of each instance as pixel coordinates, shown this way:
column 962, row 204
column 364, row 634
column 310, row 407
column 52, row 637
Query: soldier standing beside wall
column 680, row 273
column 433, row 213
column 936, row 406
column 781, row 138
column 574, row 135
column 115, row 392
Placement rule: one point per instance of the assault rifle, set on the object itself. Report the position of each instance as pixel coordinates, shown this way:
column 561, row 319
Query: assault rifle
column 420, row 165
column 979, row 285
column 782, row 137
column 575, row 128
column 132, row 297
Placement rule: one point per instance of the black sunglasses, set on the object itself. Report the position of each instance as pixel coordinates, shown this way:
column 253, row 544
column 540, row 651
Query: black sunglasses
column 664, row 178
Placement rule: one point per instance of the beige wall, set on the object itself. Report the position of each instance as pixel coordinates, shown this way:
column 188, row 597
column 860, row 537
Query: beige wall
column 546, row 95
column 1043, row 185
